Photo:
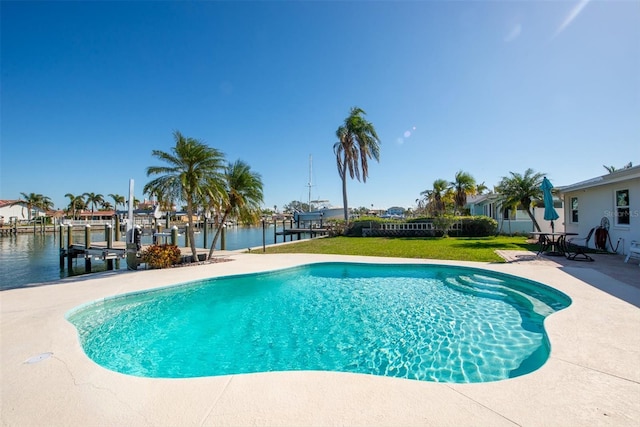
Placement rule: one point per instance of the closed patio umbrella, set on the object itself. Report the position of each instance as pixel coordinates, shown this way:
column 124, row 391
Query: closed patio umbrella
column 550, row 213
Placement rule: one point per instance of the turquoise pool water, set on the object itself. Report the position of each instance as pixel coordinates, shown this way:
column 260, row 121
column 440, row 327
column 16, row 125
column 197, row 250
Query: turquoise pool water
column 423, row 322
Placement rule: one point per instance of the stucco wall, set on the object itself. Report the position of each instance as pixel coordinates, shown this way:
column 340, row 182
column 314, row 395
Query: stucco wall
column 19, row 211
column 598, row 202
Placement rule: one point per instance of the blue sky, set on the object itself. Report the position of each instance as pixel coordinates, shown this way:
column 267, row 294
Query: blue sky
column 89, row 89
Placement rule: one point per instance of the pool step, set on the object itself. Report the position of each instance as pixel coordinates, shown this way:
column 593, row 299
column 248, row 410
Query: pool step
column 479, row 284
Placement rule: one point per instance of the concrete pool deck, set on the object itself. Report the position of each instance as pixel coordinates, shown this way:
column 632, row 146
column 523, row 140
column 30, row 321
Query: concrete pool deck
column 591, row 378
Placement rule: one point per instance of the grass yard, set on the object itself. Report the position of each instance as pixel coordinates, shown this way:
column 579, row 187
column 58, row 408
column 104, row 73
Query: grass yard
column 480, row 249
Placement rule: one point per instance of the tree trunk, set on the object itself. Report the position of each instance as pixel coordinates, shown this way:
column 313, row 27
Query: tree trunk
column 344, row 193
column 215, row 238
column 535, row 223
column 192, row 240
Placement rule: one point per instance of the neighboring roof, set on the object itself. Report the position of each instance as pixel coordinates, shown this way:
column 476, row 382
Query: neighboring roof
column 4, row 203
column 610, row 178
column 479, row 198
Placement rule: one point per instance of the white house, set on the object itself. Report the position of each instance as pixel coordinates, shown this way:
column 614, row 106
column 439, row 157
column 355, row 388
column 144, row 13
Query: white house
column 612, row 199
column 11, row 210
column 513, row 221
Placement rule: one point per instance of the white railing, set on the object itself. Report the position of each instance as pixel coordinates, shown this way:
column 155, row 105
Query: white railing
column 407, row 226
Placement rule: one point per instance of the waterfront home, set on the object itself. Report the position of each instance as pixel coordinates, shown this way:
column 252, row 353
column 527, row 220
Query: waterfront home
column 611, row 200
column 517, row 220
column 17, row 210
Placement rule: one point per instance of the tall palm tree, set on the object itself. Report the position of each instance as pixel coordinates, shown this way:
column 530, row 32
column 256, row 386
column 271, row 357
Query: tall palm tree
column 357, row 142
column 434, row 199
column 463, row 185
column 76, row 203
column 94, row 199
column 243, row 196
column 117, row 200
column 194, row 171
column 521, row 190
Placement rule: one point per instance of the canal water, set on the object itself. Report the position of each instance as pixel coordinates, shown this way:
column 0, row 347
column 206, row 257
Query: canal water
column 27, row 259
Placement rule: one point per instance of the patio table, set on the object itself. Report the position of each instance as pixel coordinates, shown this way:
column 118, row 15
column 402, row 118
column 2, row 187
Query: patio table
column 555, row 240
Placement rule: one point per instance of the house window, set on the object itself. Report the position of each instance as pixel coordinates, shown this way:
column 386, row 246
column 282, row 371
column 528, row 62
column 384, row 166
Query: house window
column 622, row 207
column 574, row 209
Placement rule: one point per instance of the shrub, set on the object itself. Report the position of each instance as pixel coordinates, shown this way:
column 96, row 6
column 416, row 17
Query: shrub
column 337, row 227
column 161, row 256
column 478, row 226
column 467, row 226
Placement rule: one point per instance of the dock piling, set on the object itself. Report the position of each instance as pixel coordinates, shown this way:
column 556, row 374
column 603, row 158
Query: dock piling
column 87, row 245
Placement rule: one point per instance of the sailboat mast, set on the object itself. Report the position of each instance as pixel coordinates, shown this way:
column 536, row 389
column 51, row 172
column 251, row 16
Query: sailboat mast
column 310, row 166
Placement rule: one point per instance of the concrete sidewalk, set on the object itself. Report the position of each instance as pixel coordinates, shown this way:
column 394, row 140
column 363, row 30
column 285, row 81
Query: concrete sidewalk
column 591, row 378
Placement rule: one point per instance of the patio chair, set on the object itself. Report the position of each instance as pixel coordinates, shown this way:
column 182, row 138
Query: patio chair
column 544, row 243
column 575, row 251
column 634, row 250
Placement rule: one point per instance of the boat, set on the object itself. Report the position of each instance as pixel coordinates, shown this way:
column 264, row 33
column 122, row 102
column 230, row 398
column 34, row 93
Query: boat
column 320, row 214
column 319, row 210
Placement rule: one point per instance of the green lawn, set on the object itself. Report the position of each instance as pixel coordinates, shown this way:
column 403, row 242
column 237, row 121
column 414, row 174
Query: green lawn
column 453, row 248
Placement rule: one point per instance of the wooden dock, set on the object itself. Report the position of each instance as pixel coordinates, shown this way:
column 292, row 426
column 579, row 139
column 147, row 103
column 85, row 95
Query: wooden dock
column 312, row 231
column 100, row 251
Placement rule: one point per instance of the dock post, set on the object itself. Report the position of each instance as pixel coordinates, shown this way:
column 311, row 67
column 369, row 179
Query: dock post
column 186, row 236
column 132, row 255
column 69, row 244
column 87, row 245
column 264, row 244
column 61, row 246
column 87, row 236
column 109, row 237
column 275, row 232
column 223, row 238
column 174, row 235
column 117, row 228
column 205, row 233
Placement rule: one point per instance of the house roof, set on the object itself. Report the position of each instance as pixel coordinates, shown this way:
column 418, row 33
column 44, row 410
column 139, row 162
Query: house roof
column 479, row 198
column 610, row 178
column 4, row 203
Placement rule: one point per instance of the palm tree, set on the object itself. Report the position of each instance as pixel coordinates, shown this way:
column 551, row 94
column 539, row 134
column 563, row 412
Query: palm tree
column 357, row 142
column 194, row 172
column 612, row 169
column 94, row 199
column 243, row 196
column 464, row 185
column 117, row 200
column 521, row 190
column 33, row 200
column 481, row 188
column 434, row 199
column 76, row 203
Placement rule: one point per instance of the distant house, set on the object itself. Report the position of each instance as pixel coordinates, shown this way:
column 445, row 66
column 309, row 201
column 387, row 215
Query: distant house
column 512, row 221
column 395, row 212
column 614, row 199
column 16, row 210
column 96, row 215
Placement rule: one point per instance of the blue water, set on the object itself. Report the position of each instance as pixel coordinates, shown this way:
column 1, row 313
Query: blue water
column 431, row 323
column 31, row 258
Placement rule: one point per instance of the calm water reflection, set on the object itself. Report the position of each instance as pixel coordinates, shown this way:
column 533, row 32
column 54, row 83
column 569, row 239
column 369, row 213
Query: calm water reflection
column 28, row 258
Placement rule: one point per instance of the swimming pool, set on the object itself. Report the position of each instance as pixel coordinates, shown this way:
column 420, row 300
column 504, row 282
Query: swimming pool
column 415, row 321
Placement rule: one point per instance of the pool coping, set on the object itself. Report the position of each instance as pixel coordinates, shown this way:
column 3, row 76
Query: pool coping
column 592, row 376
